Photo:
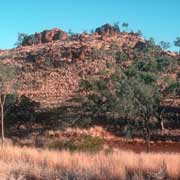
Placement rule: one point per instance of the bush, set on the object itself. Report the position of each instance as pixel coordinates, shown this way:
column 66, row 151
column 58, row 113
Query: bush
column 166, row 64
column 121, row 57
column 85, row 143
column 174, row 88
column 22, row 111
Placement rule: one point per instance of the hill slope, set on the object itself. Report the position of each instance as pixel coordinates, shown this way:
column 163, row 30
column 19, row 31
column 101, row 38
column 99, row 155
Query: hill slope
column 53, row 63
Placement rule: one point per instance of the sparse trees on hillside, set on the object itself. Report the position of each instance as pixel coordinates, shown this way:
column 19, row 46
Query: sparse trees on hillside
column 139, row 32
column 125, row 25
column 70, row 32
column 116, row 26
column 177, row 42
column 21, row 37
column 131, row 95
column 165, row 45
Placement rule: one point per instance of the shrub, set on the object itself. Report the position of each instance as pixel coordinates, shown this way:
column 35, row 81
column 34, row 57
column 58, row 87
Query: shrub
column 121, row 57
column 22, row 111
column 85, row 143
column 166, row 64
column 174, row 88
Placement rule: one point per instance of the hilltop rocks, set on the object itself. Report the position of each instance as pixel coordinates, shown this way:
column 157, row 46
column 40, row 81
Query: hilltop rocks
column 45, row 37
column 107, row 30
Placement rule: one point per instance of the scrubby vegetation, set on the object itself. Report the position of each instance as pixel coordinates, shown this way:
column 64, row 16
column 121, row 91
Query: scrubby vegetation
column 20, row 111
column 134, row 93
column 85, row 143
column 123, row 89
column 28, row 163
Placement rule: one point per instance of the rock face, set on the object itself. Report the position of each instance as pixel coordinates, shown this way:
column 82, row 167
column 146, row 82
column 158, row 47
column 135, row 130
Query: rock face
column 45, row 37
column 108, row 30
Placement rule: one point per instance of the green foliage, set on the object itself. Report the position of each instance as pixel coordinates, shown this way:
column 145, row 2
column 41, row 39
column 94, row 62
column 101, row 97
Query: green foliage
column 133, row 93
column 151, row 48
column 125, row 25
column 147, row 65
column 165, row 45
column 109, row 65
column 70, row 32
column 148, row 77
column 139, row 32
column 177, row 42
column 143, row 99
column 85, row 143
column 166, row 64
column 162, row 64
column 21, row 37
column 22, row 111
column 173, row 88
column 100, row 98
column 121, row 57
column 116, row 26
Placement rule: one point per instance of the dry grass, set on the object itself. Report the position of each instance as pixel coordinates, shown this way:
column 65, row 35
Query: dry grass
column 28, row 163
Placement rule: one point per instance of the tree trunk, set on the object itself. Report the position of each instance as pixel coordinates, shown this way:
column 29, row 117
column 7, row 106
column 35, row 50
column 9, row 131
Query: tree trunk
column 161, row 119
column 147, row 140
column 162, row 125
column 2, row 101
column 2, row 124
column 147, row 135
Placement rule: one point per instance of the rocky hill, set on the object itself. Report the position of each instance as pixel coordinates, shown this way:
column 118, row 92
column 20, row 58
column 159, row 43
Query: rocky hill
column 52, row 62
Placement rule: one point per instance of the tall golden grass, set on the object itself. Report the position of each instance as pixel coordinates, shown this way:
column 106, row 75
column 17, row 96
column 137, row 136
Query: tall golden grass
column 31, row 163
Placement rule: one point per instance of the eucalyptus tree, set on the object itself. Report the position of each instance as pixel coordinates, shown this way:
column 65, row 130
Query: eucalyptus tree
column 8, row 85
column 165, row 45
column 131, row 94
column 21, row 38
column 177, row 42
column 125, row 25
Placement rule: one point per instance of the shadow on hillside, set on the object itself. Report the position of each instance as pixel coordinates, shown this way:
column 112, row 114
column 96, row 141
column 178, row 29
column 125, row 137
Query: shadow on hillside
column 71, row 115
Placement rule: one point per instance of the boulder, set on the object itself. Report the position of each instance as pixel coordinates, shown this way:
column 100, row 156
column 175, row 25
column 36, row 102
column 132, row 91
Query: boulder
column 45, row 37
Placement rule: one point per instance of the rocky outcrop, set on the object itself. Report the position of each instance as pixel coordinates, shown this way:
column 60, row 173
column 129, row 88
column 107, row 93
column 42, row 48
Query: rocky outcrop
column 52, row 68
column 45, row 37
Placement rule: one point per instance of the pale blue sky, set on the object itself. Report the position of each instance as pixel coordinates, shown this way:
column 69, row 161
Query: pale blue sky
column 155, row 18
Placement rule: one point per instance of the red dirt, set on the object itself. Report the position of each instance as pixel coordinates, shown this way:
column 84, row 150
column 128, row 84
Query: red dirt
column 140, row 146
column 168, row 141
